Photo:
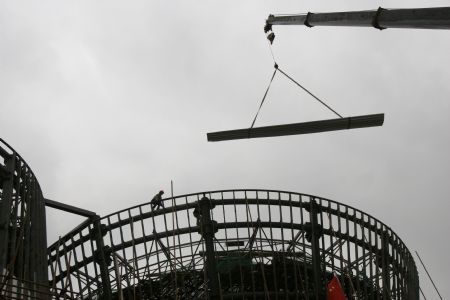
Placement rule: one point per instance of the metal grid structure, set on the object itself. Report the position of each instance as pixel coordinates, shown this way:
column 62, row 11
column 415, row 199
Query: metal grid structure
column 233, row 244
column 23, row 243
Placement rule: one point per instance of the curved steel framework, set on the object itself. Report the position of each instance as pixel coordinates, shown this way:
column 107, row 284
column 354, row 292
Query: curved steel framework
column 23, row 257
column 233, row 244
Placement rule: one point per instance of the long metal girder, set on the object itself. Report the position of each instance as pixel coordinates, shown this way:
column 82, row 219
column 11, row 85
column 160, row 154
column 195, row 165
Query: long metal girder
column 69, row 208
column 425, row 18
column 298, row 128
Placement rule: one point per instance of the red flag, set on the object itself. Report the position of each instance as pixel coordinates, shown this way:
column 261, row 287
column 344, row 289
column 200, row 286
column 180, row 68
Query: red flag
column 334, row 290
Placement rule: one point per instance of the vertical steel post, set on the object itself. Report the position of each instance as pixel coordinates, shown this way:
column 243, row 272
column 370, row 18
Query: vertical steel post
column 43, row 266
column 118, row 279
column 413, row 287
column 5, row 210
column 385, row 273
column 315, row 247
column 208, row 229
column 104, row 272
column 38, row 239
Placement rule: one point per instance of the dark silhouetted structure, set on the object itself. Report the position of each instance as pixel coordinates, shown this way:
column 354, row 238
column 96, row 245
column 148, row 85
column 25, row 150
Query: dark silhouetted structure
column 230, row 244
column 235, row 244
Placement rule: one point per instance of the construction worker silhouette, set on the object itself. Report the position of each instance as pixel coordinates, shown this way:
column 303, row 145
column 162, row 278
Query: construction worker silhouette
column 157, row 200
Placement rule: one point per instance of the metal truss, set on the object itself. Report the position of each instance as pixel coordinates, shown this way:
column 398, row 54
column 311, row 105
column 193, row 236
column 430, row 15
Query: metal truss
column 23, row 243
column 229, row 244
column 234, row 244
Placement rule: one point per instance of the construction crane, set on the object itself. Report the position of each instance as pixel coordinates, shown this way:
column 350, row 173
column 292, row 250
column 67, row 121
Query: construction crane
column 381, row 18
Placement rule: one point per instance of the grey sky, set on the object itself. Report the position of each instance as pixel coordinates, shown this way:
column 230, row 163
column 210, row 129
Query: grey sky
column 108, row 101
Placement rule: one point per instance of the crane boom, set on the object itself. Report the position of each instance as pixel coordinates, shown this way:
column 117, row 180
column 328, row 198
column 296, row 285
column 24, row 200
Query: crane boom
column 425, row 18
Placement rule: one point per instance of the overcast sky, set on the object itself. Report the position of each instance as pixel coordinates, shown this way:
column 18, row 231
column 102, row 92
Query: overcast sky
column 108, row 101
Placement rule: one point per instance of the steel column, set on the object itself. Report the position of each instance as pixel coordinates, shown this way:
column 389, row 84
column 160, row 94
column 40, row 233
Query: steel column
column 104, row 271
column 5, row 210
column 207, row 231
column 315, row 247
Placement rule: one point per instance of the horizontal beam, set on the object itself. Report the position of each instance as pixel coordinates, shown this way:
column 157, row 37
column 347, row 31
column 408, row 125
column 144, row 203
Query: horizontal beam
column 424, row 18
column 4, row 153
column 69, row 208
column 298, row 128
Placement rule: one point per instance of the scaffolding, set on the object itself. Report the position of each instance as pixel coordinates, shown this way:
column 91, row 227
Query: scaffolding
column 235, row 244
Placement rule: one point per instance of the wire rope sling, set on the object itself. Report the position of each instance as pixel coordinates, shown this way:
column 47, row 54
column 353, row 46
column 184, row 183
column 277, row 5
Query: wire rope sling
column 340, row 123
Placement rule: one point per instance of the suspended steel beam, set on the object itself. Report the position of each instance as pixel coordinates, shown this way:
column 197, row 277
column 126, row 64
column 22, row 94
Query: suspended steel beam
column 298, row 128
column 425, row 18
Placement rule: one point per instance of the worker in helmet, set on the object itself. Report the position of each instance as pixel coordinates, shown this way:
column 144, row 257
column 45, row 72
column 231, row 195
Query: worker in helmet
column 157, row 200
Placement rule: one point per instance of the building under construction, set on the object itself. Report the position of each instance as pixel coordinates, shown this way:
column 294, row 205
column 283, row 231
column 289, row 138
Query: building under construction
column 231, row 244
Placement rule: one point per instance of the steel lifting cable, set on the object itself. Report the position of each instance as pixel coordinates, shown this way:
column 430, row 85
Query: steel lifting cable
column 306, row 90
column 302, row 87
column 264, row 97
column 277, row 68
column 298, row 84
column 339, row 123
